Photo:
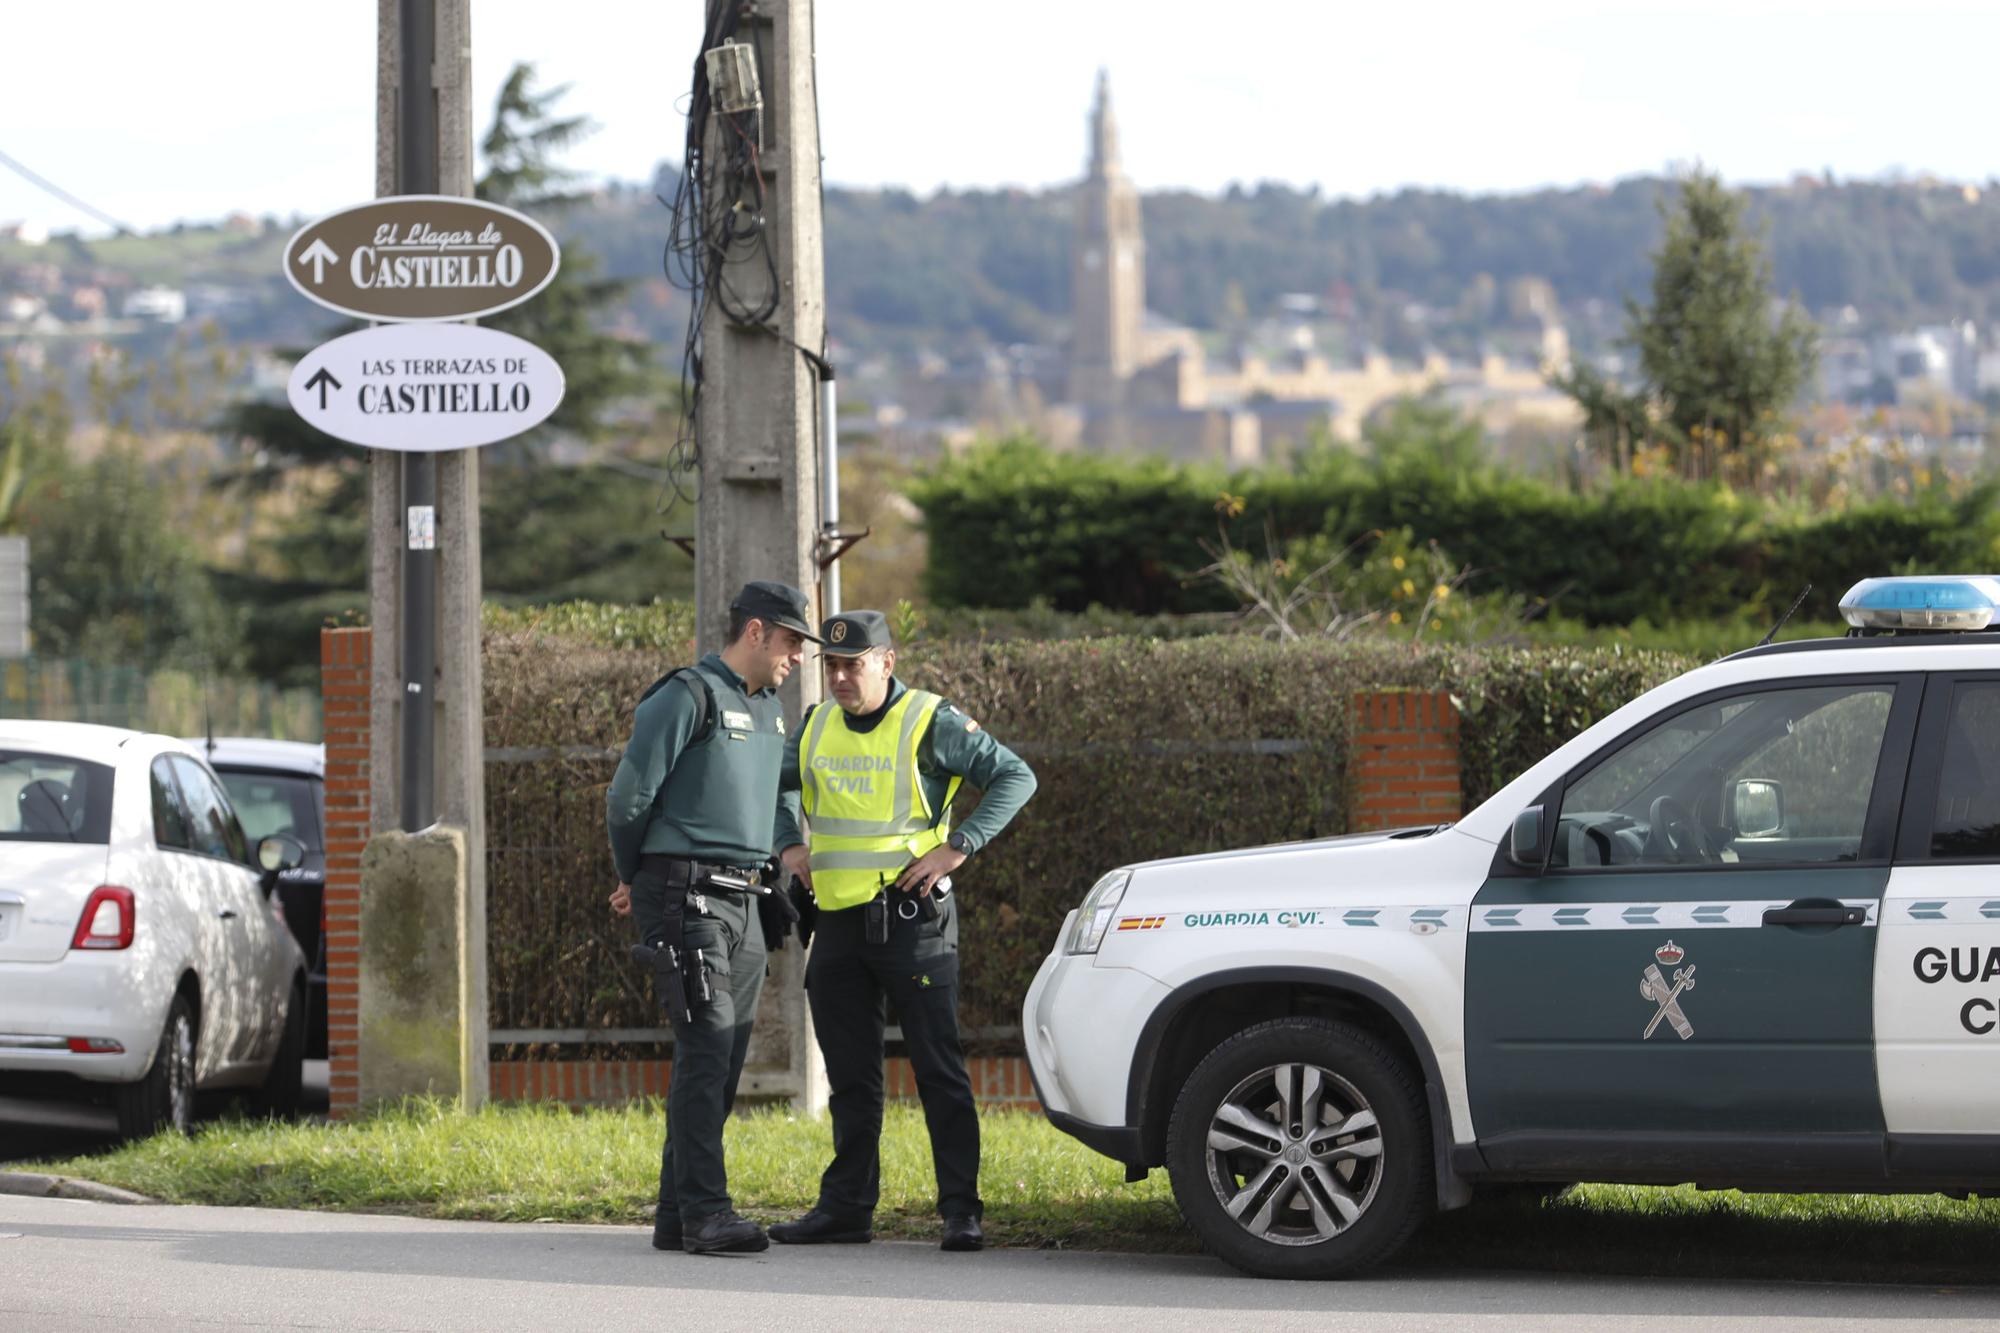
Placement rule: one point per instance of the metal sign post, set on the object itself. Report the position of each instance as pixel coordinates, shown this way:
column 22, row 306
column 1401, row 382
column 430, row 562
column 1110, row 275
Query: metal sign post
column 417, row 173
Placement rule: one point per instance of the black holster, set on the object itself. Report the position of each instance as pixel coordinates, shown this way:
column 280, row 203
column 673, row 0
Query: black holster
column 680, row 972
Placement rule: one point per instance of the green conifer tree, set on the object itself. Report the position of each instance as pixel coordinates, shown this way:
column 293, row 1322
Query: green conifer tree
column 1720, row 359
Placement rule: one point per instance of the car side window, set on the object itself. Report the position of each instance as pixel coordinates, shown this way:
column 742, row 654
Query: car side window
column 1776, row 776
column 1812, row 781
column 1966, row 823
column 210, row 819
column 170, row 821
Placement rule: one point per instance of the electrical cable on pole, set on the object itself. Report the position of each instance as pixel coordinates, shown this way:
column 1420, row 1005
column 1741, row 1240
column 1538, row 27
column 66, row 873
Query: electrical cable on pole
column 36, row 179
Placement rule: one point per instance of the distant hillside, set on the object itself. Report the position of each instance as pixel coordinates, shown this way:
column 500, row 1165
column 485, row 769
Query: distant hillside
column 994, row 265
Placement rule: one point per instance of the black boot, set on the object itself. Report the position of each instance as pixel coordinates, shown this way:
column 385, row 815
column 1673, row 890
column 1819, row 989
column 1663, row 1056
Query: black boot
column 724, row 1233
column 820, row 1228
column 961, row 1232
column 666, row 1228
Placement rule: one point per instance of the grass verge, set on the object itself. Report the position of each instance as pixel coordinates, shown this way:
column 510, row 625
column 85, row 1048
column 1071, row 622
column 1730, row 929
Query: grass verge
column 539, row 1161
column 536, row 1162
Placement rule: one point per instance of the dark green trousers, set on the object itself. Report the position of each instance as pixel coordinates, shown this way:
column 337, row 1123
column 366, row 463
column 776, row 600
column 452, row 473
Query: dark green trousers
column 848, row 982
column 708, row 1051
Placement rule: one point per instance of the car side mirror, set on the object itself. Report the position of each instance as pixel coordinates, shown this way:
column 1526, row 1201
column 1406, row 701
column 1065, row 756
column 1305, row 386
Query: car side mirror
column 1756, row 807
column 1524, row 844
column 277, row 854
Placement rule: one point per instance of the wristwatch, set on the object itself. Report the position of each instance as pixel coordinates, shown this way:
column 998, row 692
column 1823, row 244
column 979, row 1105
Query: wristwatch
column 959, row 843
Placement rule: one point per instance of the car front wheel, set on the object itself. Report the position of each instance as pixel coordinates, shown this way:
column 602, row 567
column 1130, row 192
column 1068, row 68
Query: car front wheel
column 1299, row 1149
column 164, row 1098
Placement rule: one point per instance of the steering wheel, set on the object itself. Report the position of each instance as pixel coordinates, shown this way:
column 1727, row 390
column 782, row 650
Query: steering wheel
column 1675, row 836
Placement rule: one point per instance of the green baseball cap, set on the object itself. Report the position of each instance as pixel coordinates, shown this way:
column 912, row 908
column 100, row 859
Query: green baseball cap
column 775, row 604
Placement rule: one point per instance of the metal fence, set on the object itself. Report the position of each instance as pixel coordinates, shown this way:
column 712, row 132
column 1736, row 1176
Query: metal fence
column 176, row 703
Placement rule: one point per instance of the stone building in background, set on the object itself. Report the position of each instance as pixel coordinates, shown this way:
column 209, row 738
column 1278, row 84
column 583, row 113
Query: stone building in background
column 1127, row 380
column 1136, row 382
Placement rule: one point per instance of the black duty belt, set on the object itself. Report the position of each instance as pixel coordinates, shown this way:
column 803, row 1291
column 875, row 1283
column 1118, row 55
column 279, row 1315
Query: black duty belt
column 686, row 873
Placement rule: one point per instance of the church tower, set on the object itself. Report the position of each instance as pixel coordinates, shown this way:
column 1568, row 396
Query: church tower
column 1107, row 270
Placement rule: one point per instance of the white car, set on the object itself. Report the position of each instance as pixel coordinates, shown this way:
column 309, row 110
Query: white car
column 280, row 787
column 142, row 954
column 1743, row 932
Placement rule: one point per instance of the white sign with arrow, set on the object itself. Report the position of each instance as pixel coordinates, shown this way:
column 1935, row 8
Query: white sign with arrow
column 426, row 387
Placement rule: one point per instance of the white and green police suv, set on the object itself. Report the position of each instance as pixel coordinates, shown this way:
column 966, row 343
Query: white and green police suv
column 1744, row 932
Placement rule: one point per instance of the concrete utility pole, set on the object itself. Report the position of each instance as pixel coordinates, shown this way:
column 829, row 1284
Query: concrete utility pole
column 757, row 517
column 427, row 692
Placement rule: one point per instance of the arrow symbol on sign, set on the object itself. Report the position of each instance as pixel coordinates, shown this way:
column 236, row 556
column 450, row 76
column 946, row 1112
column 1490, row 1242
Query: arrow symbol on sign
column 321, row 378
column 319, row 254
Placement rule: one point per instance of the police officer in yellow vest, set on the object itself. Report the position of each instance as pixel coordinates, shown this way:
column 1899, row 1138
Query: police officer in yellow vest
column 876, row 772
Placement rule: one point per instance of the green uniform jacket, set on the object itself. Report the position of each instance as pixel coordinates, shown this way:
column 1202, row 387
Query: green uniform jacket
column 952, row 748
column 711, row 801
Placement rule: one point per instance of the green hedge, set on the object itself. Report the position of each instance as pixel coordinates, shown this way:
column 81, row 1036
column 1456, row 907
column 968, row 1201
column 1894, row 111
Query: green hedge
column 1130, row 738
column 1014, row 521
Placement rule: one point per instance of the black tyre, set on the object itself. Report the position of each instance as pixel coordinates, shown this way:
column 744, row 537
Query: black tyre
column 1300, row 1148
column 164, row 1098
column 283, row 1091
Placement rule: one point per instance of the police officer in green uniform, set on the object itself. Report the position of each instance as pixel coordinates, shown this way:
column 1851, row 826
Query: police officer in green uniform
column 876, row 774
column 689, row 812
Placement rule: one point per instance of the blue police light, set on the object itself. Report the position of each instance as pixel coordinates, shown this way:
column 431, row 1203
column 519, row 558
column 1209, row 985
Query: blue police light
column 1938, row 601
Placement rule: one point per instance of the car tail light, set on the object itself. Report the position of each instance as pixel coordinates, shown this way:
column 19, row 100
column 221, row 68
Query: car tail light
column 95, row 1046
column 107, row 920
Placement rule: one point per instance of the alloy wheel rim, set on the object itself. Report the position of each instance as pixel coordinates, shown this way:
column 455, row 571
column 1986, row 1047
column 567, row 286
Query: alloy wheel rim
column 1294, row 1154
column 180, row 1076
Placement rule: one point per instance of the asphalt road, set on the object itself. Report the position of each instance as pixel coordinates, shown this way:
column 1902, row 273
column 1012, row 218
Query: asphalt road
column 85, row 1266
column 38, row 1130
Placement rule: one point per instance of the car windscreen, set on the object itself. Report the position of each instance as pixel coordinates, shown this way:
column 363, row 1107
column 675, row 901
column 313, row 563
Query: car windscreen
column 53, row 798
column 268, row 803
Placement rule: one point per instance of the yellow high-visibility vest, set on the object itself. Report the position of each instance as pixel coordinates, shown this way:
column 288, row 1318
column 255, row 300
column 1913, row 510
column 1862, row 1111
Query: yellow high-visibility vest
column 866, row 801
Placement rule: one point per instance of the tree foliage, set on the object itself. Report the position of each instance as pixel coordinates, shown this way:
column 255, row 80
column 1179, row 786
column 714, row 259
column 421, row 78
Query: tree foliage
column 903, row 268
column 34, row 420
column 113, row 580
column 600, row 369
column 1717, row 363
column 1127, row 534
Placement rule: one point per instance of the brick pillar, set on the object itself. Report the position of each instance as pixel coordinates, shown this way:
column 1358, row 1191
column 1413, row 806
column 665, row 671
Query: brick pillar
column 344, row 666
column 1402, row 765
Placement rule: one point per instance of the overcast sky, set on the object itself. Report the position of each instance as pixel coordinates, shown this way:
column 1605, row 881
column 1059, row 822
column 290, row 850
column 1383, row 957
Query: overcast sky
column 155, row 112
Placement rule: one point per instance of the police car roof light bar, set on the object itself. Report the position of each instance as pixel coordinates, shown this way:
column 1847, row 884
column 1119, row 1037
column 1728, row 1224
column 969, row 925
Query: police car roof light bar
column 1923, row 602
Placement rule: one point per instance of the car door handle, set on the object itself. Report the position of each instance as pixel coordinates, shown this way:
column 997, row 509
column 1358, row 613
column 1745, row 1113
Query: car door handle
column 227, row 914
column 1797, row 915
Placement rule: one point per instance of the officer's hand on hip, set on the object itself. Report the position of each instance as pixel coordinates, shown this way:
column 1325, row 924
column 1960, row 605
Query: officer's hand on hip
column 919, row 875
column 621, row 900
column 798, row 861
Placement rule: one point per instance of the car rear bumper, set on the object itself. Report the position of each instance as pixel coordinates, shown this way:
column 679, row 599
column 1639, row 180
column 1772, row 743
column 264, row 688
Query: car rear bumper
column 43, row 1005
